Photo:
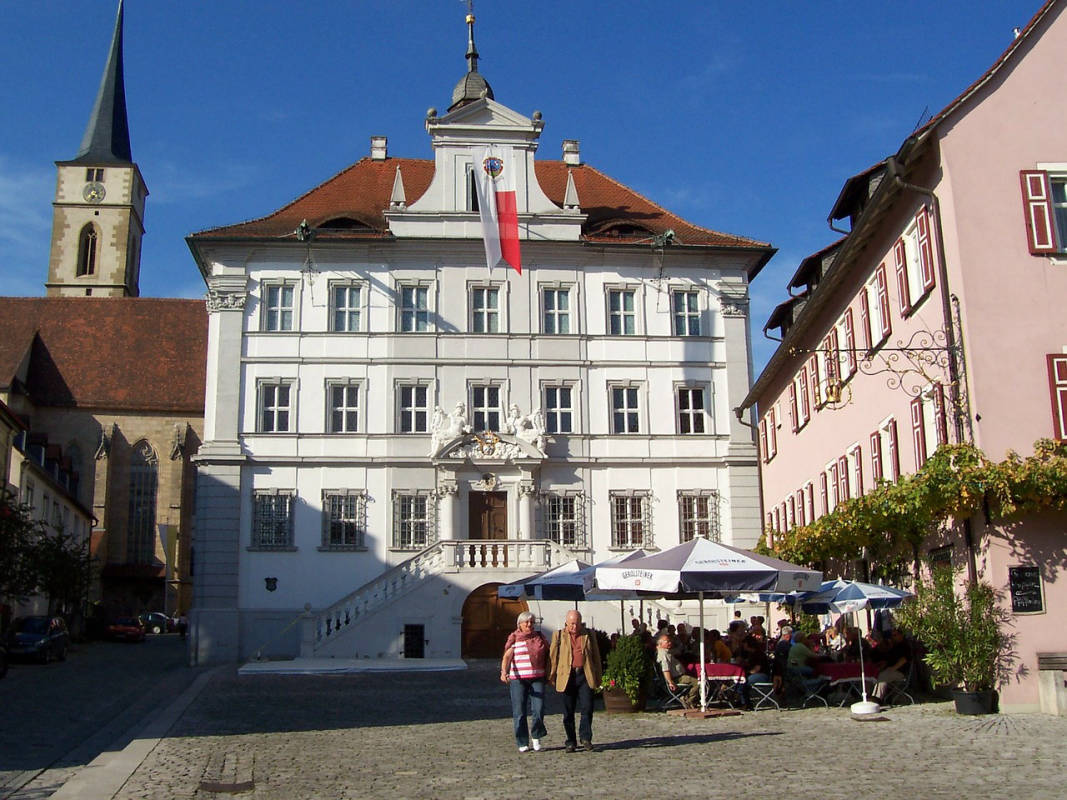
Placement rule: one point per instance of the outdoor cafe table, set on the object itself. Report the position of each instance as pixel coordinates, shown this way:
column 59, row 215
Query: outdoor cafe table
column 847, row 674
column 719, row 677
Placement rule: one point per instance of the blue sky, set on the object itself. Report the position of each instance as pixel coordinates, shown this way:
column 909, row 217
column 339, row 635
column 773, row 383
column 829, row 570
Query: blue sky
column 741, row 117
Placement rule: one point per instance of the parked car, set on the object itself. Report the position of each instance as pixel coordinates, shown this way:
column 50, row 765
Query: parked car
column 125, row 629
column 157, row 622
column 42, row 638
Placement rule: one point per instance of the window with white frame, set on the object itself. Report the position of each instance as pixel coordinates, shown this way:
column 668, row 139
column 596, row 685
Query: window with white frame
column 913, row 257
column 559, row 408
column 622, row 314
column 625, row 409
column 485, row 407
column 346, row 307
column 631, row 520
column 278, row 300
column 413, row 407
column 885, row 461
column 344, row 519
column 877, row 304
column 685, row 311
column 809, row 501
column 276, row 406
column 485, row 309
column 343, row 397
column 272, row 519
column 698, row 514
column 928, row 423
column 556, row 310
column 29, row 498
column 691, row 411
column 563, row 519
column 854, row 460
column 414, row 522
column 831, row 476
column 414, row 308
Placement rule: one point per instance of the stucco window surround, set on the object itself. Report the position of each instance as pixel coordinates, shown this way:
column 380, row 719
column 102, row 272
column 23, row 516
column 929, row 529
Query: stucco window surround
column 885, row 454
column 344, row 520
column 345, row 405
column 487, row 303
column 698, row 515
column 272, row 520
column 626, row 407
column 631, row 519
column 279, row 305
column 276, row 405
column 623, row 311
column 563, row 518
column 559, row 307
column 413, row 400
column 560, row 401
column 692, row 406
column 485, row 404
column 687, row 311
column 349, row 301
column 414, row 519
column 416, row 305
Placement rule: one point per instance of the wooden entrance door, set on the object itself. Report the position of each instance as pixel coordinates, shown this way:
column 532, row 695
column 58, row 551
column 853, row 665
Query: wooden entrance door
column 487, row 621
column 487, row 515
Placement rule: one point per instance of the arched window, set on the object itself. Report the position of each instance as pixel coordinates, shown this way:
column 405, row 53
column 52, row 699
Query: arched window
column 141, row 524
column 87, row 241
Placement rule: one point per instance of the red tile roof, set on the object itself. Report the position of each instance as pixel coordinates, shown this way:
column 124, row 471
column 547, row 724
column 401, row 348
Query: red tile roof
column 115, row 353
column 362, row 191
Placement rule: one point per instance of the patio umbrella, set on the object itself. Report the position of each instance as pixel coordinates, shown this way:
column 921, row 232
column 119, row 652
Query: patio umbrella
column 700, row 567
column 835, row 595
column 561, row 575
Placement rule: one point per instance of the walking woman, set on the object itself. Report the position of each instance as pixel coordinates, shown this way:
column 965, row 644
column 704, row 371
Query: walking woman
column 523, row 669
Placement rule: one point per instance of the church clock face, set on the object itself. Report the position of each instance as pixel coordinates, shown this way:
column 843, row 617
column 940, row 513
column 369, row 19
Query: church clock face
column 93, row 192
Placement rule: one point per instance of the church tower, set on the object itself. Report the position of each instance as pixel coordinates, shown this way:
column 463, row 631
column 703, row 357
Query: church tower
column 98, row 212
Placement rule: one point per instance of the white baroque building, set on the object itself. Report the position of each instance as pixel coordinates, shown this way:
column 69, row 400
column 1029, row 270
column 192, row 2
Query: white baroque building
column 392, row 430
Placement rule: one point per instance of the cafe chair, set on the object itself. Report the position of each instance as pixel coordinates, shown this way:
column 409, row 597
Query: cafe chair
column 668, row 699
column 761, row 694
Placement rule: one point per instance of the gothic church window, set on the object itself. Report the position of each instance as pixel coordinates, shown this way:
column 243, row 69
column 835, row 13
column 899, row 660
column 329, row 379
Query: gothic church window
column 141, row 522
column 87, row 245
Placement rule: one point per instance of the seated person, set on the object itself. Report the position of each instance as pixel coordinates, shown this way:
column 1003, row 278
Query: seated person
column 735, row 635
column 674, row 673
column 684, row 651
column 897, row 659
column 833, row 641
column 853, row 643
column 716, row 649
column 753, row 660
column 801, row 659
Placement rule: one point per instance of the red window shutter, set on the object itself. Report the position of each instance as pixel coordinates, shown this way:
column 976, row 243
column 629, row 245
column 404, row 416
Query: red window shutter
column 918, row 431
column 1037, row 205
column 801, row 519
column 842, row 478
column 894, row 451
column 805, row 403
column 772, row 433
column 785, row 520
column 883, row 301
column 777, row 520
column 824, row 494
column 834, row 484
column 903, row 295
column 865, row 319
column 940, row 418
column 793, row 418
column 792, row 512
column 850, row 342
column 1057, row 381
column 857, row 475
column 811, row 502
column 876, row 456
column 816, row 387
column 923, row 224
column 763, row 440
column 830, row 346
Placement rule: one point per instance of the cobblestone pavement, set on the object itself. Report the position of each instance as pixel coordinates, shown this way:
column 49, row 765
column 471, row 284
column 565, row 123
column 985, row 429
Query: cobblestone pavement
column 448, row 735
column 55, row 718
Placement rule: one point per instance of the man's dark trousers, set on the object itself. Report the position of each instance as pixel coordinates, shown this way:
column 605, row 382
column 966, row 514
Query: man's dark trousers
column 578, row 695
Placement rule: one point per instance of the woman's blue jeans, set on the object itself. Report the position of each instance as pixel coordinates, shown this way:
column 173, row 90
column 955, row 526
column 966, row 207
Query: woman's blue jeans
column 528, row 699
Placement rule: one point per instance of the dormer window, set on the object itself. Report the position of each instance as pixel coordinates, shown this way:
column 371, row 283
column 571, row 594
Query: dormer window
column 87, row 241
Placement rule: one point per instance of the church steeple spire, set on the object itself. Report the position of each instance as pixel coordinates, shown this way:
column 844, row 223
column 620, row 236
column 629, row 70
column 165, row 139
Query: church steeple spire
column 471, row 86
column 107, row 136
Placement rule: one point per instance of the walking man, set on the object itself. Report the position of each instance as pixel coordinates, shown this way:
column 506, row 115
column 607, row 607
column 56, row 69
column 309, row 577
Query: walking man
column 574, row 669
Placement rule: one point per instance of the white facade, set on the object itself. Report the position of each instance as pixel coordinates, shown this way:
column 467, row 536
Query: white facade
column 605, row 374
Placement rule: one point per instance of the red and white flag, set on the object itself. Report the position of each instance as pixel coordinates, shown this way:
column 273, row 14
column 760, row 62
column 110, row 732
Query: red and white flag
column 495, row 182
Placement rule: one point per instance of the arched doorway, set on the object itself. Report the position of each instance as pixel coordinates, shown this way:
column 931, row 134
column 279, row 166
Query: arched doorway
column 487, row 621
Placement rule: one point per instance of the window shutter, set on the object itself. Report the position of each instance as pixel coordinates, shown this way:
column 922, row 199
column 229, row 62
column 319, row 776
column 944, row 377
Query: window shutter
column 903, row 295
column 805, row 407
column 1057, row 380
column 850, row 342
column 834, row 485
column 772, row 434
column 865, row 319
column 918, row 431
column 829, row 345
column 801, row 519
column 824, row 494
column 858, row 472
column 792, row 518
column 763, row 440
column 1037, row 205
column 923, row 222
column 894, row 451
column 816, row 388
column 842, row 478
column 811, row 502
column 940, row 418
column 794, row 419
column 876, row 456
column 883, row 301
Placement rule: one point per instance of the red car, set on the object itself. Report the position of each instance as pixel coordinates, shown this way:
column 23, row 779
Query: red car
column 125, row 629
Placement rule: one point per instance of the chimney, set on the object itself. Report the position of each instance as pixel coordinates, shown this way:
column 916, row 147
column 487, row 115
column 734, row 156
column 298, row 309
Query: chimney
column 379, row 148
column 571, row 154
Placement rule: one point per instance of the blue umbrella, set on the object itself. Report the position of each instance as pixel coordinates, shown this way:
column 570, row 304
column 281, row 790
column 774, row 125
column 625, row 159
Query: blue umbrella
column 842, row 596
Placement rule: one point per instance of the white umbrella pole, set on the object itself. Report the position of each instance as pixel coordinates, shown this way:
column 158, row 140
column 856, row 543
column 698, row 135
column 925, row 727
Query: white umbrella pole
column 701, row 669
column 865, row 706
column 622, row 618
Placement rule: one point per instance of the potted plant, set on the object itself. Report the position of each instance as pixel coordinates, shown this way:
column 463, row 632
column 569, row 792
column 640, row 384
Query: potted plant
column 967, row 647
column 627, row 673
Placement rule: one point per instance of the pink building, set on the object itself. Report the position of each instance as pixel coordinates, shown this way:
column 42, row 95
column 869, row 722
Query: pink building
column 952, row 271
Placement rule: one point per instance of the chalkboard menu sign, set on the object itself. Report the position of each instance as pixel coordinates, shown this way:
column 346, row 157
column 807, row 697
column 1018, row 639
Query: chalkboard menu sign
column 1025, row 584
